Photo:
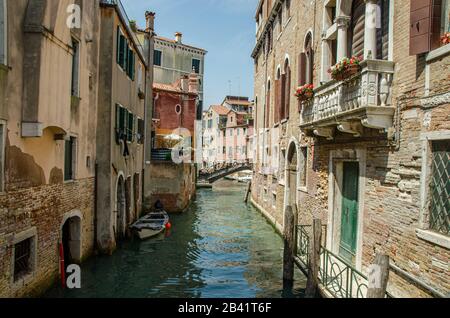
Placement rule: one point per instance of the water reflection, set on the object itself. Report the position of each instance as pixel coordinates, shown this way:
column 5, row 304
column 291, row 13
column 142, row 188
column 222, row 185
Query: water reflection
column 219, row 248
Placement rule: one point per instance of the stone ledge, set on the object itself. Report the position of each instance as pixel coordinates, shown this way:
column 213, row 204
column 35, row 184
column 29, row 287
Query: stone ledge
column 433, row 237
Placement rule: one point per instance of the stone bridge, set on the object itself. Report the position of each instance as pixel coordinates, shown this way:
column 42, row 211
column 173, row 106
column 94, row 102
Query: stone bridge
column 214, row 175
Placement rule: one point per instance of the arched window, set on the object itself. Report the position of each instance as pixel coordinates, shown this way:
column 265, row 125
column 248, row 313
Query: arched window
column 306, row 62
column 267, row 110
column 278, row 97
column 286, row 89
column 3, row 34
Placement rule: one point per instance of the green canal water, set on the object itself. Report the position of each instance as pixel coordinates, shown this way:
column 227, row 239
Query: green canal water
column 219, row 248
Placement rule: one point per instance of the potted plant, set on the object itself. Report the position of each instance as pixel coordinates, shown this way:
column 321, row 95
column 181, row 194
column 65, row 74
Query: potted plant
column 305, row 92
column 345, row 68
column 445, row 39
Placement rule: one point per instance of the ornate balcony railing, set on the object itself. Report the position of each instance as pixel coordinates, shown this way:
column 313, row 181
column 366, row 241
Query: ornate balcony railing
column 338, row 277
column 364, row 99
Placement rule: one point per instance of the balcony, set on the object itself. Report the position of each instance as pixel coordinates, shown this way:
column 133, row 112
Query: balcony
column 361, row 101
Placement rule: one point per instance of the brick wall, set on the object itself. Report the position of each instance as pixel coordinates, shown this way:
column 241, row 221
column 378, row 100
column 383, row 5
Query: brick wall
column 44, row 208
column 391, row 212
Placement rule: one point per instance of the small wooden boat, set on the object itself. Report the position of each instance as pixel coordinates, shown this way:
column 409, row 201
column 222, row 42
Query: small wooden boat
column 151, row 225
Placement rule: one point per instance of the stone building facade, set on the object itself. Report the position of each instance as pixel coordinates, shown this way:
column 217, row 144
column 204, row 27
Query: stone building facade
column 369, row 155
column 124, row 110
column 48, row 111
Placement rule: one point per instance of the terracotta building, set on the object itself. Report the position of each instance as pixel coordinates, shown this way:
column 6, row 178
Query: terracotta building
column 228, row 132
column 368, row 151
column 173, row 172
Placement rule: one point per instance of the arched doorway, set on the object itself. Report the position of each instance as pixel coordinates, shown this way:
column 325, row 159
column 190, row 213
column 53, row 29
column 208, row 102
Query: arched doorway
column 121, row 209
column 71, row 240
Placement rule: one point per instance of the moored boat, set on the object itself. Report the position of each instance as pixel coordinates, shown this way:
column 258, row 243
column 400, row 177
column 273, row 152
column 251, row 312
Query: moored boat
column 151, row 225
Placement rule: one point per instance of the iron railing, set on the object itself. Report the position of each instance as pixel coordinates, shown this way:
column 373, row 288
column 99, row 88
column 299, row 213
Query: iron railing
column 338, row 277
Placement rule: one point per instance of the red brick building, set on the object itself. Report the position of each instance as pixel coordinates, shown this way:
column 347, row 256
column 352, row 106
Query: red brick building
column 175, row 107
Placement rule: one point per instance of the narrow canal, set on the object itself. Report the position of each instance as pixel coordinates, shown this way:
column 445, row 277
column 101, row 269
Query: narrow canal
column 219, row 248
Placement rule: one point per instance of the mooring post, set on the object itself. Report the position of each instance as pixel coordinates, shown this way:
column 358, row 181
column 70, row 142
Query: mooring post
column 378, row 277
column 249, row 190
column 314, row 259
column 288, row 257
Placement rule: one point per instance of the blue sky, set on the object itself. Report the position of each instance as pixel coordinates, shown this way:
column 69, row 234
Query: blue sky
column 225, row 28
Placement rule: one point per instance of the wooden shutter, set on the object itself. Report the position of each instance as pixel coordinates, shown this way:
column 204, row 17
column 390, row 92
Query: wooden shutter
column 424, row 26
column 283, row 97
column 267, row 110
column 277, row 101
column 118, row 46
column 2, row 34
column 118, row 123
column 358, row 25
column 302, row 69
column 287, row 93
column 383, row 31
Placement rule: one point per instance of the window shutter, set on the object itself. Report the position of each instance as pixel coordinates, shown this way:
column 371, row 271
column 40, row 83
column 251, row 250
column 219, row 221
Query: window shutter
column 130, row 119
column 358, row 25
column 267, row 108
column 424, row 26
column 383, row 31
column 118, row 46
column 2, row 34
column 283, row 97
column 302, row 69
column 287, row 94
column 277, row 101
column 117, row 123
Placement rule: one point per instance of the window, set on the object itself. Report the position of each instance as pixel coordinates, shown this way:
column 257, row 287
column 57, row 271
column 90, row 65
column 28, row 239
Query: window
column 429, row 20
column 288, row 8
column 75, row 67
column 440, row 187
column 141, row 131
column 3, row 33
column 280, row 19
column 267, row 109
column 157, row 58
column 69, row 159
column 121, row 123
column 125, row 55
column 303, row 166
column 22, row 259
column 196, row 66
column 238, row 132
column 2, row 153
column 130, row 127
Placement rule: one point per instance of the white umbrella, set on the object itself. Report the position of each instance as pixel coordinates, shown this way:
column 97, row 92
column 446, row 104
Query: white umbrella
column 174, row 137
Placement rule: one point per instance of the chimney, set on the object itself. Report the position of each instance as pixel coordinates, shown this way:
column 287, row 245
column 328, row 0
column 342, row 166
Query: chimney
column 193, row 83
column 178, row 37
column 150, row 21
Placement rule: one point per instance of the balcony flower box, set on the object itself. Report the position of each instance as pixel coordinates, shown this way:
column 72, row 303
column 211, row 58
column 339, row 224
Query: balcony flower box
column 305, row 92
column 346, row 68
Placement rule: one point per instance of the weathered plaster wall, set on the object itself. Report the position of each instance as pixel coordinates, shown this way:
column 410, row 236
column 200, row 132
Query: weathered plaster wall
column 173, row 184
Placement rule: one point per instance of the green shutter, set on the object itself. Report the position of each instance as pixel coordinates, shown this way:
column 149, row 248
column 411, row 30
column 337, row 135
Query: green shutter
column 130, row 127
column 118, row 46
column 68, row 160
column 122, row 48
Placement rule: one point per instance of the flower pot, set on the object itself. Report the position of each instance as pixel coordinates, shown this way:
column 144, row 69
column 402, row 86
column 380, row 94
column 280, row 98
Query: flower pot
column 352, row 70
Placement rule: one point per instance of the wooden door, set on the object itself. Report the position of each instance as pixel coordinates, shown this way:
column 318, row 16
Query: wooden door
column 349, row 216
